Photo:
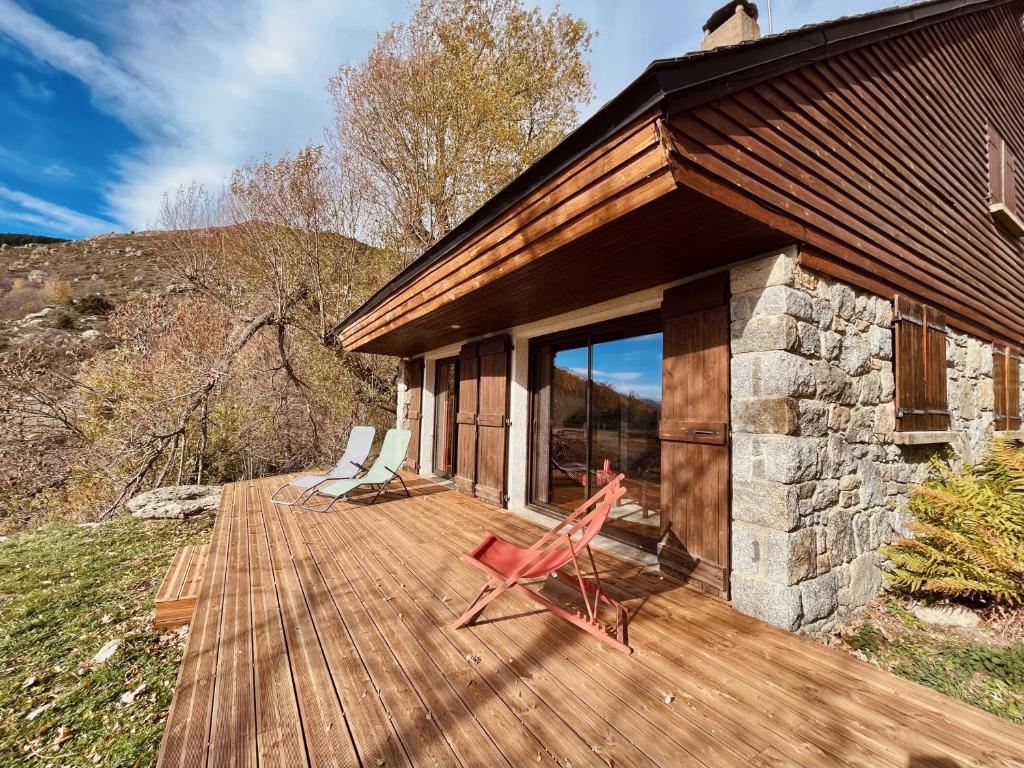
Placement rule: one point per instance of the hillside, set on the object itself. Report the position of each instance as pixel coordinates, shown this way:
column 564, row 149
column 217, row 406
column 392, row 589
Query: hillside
column 59, row 293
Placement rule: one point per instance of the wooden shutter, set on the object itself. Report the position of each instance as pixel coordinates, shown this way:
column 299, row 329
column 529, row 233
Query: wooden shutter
column 694, row 433
column 921, row 403
column 1010, row 180
column 1006, row 362
column 1002, row 165
column 996, row 176
column 469, row 391
column 413, row 410
column 492, row 419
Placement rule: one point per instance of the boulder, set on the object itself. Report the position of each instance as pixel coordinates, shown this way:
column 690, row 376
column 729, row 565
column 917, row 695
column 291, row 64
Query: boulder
column 947, row 615
column 176, row 502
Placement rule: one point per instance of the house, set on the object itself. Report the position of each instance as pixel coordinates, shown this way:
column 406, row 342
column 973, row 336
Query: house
column 768, row 281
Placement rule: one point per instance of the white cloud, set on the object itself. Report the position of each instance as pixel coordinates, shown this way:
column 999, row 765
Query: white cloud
column 56, row 169
column 36, row 90
column 208, row 85
column 19, row 206
column 205, row 86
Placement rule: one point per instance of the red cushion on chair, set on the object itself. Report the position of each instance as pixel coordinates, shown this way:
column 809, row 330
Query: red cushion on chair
column 506, row 558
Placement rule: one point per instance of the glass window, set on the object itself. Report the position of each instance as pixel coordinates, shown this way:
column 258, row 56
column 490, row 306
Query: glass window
column 597, row 408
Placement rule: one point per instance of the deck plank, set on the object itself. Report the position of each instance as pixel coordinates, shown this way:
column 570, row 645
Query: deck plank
column 279, row 735
column 324, row 639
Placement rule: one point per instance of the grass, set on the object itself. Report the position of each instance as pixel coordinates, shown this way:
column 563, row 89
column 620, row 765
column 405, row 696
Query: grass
column 64, row 592
column 972, row 666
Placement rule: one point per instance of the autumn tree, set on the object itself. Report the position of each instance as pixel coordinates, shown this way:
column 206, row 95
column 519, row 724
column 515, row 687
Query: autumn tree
column 450, row 106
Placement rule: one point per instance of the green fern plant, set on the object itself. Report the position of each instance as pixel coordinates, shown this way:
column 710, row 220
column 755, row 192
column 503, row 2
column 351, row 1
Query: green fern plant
column 968, row 527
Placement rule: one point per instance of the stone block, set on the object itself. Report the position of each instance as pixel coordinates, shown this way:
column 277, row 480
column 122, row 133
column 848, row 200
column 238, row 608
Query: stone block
column 831, row 383
column 885, row 419
column 764, row 332
column 765, row 415
column 837, row 458
column 822, row 311
column 783, row 300
column 766, row 503
column 746, row 548
column 841, row 544
column 813, row 418
column 790, row 459
column 880, row 342
column 819, row 596
column 843, row 301
column 780, row 374
column 762, row 273
column 765, row 600
column 862, row 425
column 872, row 485
column 865, row 581
column 855, row 355
column 868, row 388
column 808, row 341
column 826, row 496
column 831, row 345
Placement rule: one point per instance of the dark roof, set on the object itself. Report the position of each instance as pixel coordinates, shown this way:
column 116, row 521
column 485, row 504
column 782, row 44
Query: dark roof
column 719, row 17
column 678, row 84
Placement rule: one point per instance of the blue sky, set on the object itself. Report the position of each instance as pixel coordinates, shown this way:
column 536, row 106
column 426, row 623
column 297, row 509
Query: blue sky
column 105, row 105
column 629, row 366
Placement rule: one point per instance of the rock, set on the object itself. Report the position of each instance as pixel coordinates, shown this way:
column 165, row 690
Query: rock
column 769, row 415
column 765, row 503
column 176, row 502
column 37, row 277
column 104, row 654
column 35, row 317
column 819, row 596
column 90, row 334
column 947, row 615
column 865, row 581
column 767, row 601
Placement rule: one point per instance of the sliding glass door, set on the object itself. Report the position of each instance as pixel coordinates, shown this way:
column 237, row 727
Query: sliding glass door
column 596, row 410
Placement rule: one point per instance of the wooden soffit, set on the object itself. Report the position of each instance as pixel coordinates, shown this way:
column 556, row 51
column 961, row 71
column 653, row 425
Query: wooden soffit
column 614, row 222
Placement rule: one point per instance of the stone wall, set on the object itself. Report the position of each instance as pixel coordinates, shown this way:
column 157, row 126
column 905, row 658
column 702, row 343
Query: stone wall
column 818, row 482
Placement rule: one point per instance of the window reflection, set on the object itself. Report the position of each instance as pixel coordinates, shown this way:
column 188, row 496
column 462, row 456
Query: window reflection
column 625, row 412
column 598, row 416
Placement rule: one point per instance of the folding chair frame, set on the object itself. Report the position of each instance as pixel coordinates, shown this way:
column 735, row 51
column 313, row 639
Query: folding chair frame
column 588, row 584
column 381, row 488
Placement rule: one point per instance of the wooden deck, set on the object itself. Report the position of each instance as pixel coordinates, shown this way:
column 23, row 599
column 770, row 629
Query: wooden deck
column 322, row 640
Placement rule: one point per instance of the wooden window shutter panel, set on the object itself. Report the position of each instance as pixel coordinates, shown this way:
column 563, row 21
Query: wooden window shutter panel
column 469, row 394
column 1010, row 180
column 492, row 418
column 920, row 335
column 1006, row 363
column 1000, row 366
column 996, row 165
column 1013, row 365
column 413, row 412
column 937, row 401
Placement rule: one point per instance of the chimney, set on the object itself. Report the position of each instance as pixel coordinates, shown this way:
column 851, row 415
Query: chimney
column 735, row 22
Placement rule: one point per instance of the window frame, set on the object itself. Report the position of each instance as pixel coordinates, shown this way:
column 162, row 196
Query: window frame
column 609, row 330
column 1004, row 393
column 921, row 397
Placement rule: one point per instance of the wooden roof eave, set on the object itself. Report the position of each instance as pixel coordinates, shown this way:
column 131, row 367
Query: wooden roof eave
column 624, row 173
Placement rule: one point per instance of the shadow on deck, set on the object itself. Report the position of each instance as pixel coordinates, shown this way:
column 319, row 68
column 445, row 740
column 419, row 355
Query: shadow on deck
column 323, row 640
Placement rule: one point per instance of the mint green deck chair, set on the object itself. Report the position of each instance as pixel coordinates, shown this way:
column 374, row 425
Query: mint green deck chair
column 383, row 472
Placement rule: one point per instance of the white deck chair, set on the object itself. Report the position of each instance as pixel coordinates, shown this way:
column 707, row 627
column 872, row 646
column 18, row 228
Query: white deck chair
column 360, row 440
column 384, row 470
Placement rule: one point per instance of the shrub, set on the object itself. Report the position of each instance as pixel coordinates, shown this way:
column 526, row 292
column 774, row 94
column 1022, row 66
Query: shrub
column 969, row 532
column 64, row 321
column 94, row 304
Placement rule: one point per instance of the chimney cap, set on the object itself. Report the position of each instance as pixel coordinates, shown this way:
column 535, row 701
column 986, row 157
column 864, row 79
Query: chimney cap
column 719, row 17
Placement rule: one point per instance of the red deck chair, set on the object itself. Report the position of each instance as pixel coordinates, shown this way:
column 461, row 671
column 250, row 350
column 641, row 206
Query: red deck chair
column 509, row 565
